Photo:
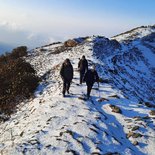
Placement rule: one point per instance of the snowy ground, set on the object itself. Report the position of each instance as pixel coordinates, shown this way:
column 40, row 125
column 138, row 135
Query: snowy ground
column 52, row 125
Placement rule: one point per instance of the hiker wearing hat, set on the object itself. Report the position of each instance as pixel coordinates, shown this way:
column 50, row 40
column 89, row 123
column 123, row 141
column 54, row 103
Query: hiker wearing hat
column 66, row 73
column 82, row 67
column 90, row 78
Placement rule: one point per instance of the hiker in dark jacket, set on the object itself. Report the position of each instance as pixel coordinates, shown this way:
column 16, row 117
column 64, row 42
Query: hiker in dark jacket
column 66, row 73
column 82, row 67
column 90, row 78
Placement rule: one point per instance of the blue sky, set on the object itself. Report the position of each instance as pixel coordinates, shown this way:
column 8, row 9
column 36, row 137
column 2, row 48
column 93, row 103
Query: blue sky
column 37, row 22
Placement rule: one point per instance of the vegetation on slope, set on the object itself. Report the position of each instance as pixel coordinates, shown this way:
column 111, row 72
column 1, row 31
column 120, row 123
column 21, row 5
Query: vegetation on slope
column 17, row 80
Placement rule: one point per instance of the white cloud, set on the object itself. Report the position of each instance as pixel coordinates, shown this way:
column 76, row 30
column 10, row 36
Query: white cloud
column 14, row 35
column 13, row 26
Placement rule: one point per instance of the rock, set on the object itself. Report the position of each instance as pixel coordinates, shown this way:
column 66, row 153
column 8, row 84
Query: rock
column 82, row 98
column 72, row 151
column 98, row 117
column 129, row 134
column 129, row 126
column 48, row 146
column 128, row 120
column 101, row 80
column 150, row 105
column 146, row 117
column 115, row 109
column 136, row 135
column 138, row 118
column 95, row 153
column 21, row 134
column 41, row 101
column 102, row 99
column 33, row 141
column 70, row 43
column 152, row 112
column 135, row 143
column 140, row 102
column 112, row 153
column 133, row 135
column 115, row 96
column 113, row 71
column 135, row 128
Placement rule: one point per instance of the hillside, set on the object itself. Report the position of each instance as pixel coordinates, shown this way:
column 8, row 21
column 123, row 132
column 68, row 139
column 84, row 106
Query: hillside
column 118, row 118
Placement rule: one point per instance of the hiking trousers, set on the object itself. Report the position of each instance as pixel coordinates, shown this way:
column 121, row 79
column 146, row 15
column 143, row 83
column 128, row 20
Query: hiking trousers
column 89, row 88
column 66, row 86
column 82, row 73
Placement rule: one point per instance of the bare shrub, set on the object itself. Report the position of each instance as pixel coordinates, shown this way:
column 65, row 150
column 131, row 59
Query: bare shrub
column 18, row 80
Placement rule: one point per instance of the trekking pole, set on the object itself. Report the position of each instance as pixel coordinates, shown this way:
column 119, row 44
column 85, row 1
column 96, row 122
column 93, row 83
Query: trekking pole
column 99, row 90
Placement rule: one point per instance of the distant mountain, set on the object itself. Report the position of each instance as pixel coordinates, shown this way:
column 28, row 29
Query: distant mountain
column 117, row 119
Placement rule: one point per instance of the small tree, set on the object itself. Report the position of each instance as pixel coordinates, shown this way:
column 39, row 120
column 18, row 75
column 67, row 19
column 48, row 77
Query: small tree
column 19, row 52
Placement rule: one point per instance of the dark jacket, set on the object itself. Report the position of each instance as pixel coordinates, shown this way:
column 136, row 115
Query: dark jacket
column 66, row 72
column 83, row 65
column 91, row 77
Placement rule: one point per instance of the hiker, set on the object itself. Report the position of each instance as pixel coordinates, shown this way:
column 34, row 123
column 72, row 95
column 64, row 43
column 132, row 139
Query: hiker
column 66, row 73
column 82, row 67
column 90, row 78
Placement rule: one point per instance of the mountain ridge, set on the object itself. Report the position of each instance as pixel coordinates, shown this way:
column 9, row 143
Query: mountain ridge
column 137, row 32
column 51, row 124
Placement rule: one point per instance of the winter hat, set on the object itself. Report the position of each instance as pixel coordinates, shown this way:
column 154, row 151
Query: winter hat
column 83, row 57
column 67, row 60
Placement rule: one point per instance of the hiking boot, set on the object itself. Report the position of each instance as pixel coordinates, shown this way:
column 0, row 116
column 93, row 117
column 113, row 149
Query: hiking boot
column 88, row 96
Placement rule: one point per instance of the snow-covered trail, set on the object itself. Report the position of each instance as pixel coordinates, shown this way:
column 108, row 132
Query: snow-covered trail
column 51, row 124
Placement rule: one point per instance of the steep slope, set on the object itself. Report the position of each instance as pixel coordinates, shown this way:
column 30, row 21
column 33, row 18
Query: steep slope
column 115, row 120
column 134, row 63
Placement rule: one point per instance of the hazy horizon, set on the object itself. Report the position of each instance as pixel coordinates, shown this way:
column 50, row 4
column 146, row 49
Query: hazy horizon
column 35, row 23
